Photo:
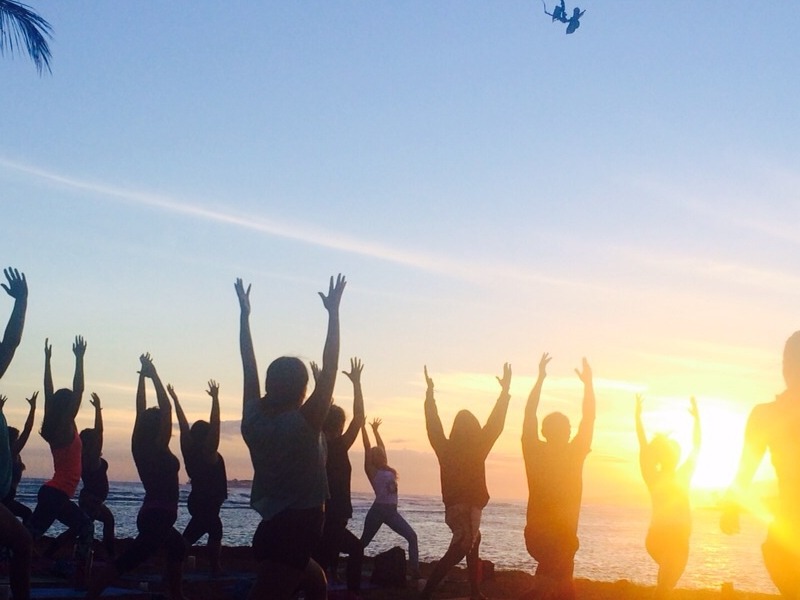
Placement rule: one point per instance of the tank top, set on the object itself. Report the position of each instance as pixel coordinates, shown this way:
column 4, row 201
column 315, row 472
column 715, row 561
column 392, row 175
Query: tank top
column 95, row 482
column 385, row 485
column 209, row 480
column 67, row 466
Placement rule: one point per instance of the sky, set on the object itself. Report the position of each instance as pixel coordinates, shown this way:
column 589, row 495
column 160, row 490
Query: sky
column 491, row 188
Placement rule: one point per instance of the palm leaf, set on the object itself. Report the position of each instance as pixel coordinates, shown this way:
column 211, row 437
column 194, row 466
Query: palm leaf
column 20, row 26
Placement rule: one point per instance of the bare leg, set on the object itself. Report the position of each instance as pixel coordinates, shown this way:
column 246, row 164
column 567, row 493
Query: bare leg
column 473, row 568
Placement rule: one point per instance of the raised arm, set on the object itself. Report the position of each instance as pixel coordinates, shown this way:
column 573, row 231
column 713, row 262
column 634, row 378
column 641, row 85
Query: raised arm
column 354, row 375
column 497, row 418
column 586, row 428
column 755, row 446
column 697, row 436
column 530, row 422
column 212, row 439
column 17, row 288
column 646, row 464
column 378, row 439
column 640, row 434
column 252, row 389
column 316, row 407
column 79, row 349
column 98, row 418
column 48, row 373
column 369, row 468
column 165, row 426
column 28, row 427
column 433, row 424
column 183, row 424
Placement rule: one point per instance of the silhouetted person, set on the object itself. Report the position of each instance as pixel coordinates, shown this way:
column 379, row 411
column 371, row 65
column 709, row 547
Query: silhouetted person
column 13, row 534
column 17, row 288
column 775, row 426
column 93, row 494
column 336, row 538
column 559, row 12
column 206, row 470
column 574, row 21
column 54, row 500
column 383, row 479
column 284, row 436
column 462, row 466
column 554, row 468
column 158, row 470
column 667, row 539
column 17, row 442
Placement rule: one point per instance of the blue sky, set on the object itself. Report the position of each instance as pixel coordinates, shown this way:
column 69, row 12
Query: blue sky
column 491, row 187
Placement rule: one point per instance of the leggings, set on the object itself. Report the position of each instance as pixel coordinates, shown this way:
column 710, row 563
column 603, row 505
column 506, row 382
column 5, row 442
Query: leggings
column 387, row 513
column 17, row 508
column 156, row 530
column 52, row 505
column 205, row 519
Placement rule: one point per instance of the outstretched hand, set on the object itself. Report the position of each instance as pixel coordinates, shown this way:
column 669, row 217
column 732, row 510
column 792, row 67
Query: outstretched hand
column 375, row 424
column 32, row 399
column 639, row 402
column 95, row 400
column 243, row 295
column 334, row 297
column 213, row 389
column 171, row 392
column 586, row 375
column 148, row 369
column 48, row 349
column 505, row 381
column 428, row 382
column 546, row 358
column 315, row 370
column 17, row 287
column 356, row 366
column 3, row 400
column 693, row 408
column 79, row 346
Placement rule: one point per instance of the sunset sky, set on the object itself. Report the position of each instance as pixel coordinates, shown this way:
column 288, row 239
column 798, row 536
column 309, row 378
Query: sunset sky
column 491, row 187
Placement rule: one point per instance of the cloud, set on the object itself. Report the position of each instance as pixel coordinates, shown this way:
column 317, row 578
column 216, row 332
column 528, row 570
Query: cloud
column 467, row 271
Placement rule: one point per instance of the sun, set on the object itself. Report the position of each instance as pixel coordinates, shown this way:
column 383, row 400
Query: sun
column 723, row 436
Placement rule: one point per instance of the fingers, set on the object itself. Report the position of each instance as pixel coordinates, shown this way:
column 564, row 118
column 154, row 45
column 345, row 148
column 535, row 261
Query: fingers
column 32, row 399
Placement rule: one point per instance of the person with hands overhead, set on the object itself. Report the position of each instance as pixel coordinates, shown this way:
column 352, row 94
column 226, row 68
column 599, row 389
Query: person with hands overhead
column 93, row 494
column 54, row 500
column 462, row 466
column 17, row 442
column 17, row 288
column 383, row 479
column 284, row 436
column 158, row 470
column 206, row 470
column 554, row 469
column 773, row 426
column 336, row 538
column 667, row 539
column 13, row 534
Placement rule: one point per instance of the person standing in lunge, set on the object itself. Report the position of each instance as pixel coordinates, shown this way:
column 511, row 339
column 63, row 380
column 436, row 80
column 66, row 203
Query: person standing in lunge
column 554, row 468
column 462, row 466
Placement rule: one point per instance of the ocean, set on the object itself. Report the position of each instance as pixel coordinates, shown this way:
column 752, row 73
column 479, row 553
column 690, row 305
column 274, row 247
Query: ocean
column 611, row 537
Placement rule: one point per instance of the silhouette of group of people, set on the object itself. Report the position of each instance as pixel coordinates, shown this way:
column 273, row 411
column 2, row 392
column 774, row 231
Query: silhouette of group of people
column 301, row 475
column 560, row 14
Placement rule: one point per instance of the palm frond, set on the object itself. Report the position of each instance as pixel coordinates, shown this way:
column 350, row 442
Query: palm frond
column 20, row 26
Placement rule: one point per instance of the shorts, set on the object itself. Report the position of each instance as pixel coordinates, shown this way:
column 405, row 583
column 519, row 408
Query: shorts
column 289, row 537
column 465, row 523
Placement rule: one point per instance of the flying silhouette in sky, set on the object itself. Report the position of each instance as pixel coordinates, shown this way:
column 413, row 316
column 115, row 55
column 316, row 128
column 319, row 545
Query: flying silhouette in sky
column 560, row 14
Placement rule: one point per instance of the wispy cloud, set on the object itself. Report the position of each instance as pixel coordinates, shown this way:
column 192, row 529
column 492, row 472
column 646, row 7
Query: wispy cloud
column 469, row 271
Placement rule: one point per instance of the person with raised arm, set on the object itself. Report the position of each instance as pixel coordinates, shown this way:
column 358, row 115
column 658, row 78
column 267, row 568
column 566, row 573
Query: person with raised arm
column 554, row 469
column 17, row 288
column 773, row 426
column 383, row 479
column 54, row 500
column 93, row 494
column 206, row 470
column 284, row 436
column 17, row 442
column 462, row 466
column 13, row 534
column 667, row 539
column 158, row 470
column 336, row 538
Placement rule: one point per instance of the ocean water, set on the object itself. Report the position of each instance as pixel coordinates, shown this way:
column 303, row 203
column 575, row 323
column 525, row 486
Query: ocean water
column 611, row 537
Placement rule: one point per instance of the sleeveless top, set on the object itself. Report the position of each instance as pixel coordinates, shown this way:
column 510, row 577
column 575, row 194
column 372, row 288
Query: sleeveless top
column 385, row 485
column 158, row 470
column 67, row 466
